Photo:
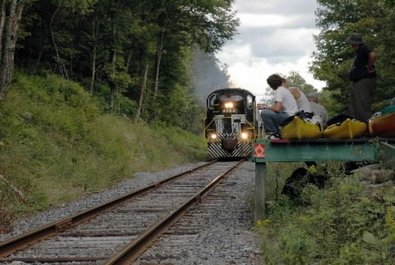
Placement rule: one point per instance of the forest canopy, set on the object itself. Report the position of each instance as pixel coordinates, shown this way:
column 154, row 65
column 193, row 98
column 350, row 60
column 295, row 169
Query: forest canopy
column 135, row 55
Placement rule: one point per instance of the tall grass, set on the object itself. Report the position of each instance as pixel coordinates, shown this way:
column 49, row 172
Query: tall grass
column 56, row 145
column 345, row 223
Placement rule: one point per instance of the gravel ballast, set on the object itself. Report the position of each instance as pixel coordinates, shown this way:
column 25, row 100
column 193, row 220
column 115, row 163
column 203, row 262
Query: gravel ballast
column 228, row 236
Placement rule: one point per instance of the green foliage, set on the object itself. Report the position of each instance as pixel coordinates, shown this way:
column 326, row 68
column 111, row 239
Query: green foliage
column 54, row 103
column 297, row 246
column 88, row 36
column 56, row 145
column 80, row 6
column 328, row 100
column 294, row 79
column 189, row 145
column 342, row 224
column 106, row 43
column 182, row 110
column 337, row 19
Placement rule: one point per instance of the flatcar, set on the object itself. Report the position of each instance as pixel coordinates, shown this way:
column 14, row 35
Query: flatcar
column 230, row 123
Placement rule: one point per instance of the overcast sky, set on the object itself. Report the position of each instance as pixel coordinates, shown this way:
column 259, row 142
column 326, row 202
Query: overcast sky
column 274, row 37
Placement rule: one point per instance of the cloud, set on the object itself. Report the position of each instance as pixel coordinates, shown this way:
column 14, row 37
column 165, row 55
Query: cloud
column 253, row 20
column 277, row 45
column 277, row 6
column 274, row 36
column 251, row 74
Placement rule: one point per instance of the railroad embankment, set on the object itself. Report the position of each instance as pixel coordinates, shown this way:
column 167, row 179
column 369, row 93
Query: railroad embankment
column 58, row 144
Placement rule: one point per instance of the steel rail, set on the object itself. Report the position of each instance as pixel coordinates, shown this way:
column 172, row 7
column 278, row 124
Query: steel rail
column 135, row 248
column 22, row 241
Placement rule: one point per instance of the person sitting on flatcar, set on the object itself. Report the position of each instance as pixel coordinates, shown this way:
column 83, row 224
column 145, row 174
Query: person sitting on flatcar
column 301, row 100
column 318, row 109
column 284, row 106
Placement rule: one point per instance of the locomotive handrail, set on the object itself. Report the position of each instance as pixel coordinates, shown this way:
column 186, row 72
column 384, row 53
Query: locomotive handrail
column 208, row 124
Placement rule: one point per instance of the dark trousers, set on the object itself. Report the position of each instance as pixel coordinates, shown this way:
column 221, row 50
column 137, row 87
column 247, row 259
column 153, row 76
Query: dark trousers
column 361, row 98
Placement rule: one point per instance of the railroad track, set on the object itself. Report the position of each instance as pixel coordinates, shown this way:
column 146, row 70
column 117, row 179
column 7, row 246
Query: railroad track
column 121, row 230
column 189, row 235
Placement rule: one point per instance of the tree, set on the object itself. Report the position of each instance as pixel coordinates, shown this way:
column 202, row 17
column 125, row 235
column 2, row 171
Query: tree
column 11, row 13
column 137, row 49
column 337, row 19
column 296, row 80
column 184, row 23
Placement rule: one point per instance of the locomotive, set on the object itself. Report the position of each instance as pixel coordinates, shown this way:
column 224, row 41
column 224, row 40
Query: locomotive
column 230, row 124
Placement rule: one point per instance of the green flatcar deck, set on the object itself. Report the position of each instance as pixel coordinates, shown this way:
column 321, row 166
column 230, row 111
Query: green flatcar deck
column 318, row 150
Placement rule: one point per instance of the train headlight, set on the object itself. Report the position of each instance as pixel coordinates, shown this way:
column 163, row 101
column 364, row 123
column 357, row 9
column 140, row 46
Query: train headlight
column 229, row 105
column 212, row 136
column 244, row 136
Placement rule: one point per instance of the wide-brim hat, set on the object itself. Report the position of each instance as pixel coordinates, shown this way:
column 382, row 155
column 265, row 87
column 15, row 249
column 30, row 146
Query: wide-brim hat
column 355, row 39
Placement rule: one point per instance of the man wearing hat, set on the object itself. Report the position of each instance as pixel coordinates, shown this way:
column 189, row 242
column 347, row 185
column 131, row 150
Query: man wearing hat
column 363, row 76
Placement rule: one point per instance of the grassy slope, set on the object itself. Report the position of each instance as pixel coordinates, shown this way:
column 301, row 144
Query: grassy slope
column 56, row 145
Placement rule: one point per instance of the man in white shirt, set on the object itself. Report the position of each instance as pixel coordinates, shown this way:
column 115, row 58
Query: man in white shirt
column 283, row 107
column 317, row 108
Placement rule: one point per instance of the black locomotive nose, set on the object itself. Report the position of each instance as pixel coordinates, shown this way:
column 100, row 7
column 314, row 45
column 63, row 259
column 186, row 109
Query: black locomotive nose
column 229, row 144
